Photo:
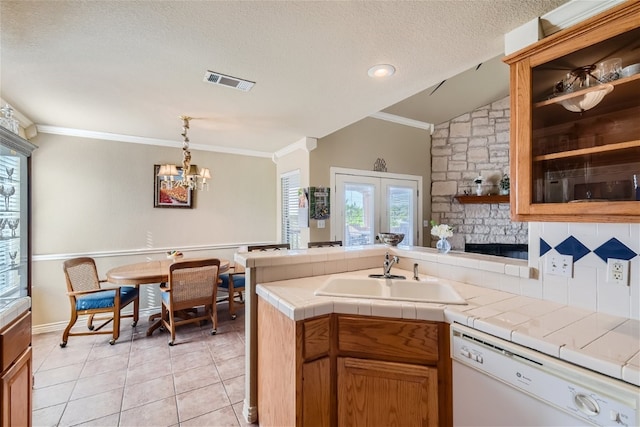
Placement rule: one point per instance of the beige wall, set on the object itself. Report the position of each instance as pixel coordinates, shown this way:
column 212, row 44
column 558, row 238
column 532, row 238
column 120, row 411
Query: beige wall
column 405, row 149
column 96, row 197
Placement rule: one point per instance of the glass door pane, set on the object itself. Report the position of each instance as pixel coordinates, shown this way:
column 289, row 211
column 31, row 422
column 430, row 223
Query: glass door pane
column 357, row 200
column 399, row 209
column 359, row 224
column 13, row 225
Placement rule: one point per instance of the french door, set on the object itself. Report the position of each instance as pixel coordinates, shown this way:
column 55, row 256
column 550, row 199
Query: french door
column 366, row 205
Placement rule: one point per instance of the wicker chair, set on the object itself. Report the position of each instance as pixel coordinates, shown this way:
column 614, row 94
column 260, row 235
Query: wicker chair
column 192, row 284
column 87, row 297
column 233, row 281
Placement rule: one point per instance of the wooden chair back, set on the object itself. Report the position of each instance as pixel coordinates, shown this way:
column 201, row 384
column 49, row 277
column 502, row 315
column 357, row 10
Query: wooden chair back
column 81, row 274
column 275, row 247
column 193, row 283
column 328, row 244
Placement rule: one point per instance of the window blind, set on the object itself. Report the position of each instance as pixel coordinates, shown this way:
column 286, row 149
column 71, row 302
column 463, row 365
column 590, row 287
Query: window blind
column 290, row 185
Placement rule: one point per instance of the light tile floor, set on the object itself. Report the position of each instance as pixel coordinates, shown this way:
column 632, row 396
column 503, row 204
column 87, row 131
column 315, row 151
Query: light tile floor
column 142, row 381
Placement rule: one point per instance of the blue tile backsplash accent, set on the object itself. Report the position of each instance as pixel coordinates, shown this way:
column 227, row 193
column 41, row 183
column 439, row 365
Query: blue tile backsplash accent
column 572, row 246
column 614, row 248
column 544, row 247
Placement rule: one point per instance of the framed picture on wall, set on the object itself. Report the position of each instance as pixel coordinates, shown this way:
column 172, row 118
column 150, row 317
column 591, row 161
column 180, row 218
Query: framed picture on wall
column 319, row 201
column 167, row 196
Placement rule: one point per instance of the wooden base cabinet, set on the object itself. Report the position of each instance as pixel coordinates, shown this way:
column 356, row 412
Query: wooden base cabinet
column 16, row 392
column 344, row 370
column 293, row 370
column 316, row 393
column 16, row 377
column 375, row 393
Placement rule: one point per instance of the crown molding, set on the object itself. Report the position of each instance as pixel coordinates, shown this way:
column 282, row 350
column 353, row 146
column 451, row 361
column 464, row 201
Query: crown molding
column 402, row 121
column 562, row 17
column 105, row 136
column 572, row 13
column 307, row 144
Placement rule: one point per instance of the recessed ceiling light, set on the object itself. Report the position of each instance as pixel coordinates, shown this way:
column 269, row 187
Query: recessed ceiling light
column 381, row 70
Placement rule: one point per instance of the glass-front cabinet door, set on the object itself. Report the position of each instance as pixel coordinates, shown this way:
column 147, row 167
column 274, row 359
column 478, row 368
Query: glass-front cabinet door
column 14, row 217
column 575, row 127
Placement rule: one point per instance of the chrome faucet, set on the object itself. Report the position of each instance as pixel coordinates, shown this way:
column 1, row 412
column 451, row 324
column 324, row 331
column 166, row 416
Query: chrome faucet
column 388, row 263
column 415, row 272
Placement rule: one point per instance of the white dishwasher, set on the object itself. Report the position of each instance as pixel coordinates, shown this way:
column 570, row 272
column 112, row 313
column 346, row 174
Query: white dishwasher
column 498, row 383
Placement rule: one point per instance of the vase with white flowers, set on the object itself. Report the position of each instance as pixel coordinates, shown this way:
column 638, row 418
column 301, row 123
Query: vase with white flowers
column 442, row 232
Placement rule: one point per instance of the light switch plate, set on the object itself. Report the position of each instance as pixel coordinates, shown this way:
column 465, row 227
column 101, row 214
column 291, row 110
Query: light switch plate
column 560, row 265
column 618, row 271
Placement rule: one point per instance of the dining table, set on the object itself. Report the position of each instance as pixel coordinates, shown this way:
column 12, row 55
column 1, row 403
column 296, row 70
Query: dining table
column 151, row 273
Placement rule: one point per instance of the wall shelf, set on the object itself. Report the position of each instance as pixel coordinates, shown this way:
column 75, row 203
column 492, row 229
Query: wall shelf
column 483, row 199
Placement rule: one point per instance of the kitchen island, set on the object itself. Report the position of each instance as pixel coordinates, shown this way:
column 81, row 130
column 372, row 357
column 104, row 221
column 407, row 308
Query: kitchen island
column 492, row 286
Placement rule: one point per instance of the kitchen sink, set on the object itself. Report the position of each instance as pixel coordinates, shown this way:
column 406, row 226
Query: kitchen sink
column 423, row 290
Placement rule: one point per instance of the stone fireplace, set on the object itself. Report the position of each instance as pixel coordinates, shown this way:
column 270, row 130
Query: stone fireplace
column 509, row 250
column 475, row 143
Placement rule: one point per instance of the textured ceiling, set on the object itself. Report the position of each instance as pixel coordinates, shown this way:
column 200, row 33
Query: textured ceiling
column 132, row 67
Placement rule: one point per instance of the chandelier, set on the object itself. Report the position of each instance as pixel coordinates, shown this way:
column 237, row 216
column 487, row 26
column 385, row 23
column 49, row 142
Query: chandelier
column 190, row 177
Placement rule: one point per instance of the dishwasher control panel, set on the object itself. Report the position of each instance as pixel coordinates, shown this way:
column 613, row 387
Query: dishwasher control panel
column 592, row 397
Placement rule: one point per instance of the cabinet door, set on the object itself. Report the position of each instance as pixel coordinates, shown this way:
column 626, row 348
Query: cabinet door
column 575, row 134
column 16, row 392
column 316, row 393
column 386, row 393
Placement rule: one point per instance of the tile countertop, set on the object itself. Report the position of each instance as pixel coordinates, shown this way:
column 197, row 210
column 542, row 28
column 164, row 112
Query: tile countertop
column 600, row 342
column 11, row 311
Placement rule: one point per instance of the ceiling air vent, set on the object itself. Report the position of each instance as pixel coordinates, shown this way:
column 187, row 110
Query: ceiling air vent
column 233, row 82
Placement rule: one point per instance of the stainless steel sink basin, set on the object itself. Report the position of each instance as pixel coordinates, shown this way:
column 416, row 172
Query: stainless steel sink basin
column 424, row 290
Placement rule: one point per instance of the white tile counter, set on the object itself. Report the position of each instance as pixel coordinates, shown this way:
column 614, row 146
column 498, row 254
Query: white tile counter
column 13, row 310
column 600, row 342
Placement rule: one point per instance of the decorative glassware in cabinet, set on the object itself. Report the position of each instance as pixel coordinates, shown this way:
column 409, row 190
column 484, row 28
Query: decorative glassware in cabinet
column 14, row 215
column 585, row 127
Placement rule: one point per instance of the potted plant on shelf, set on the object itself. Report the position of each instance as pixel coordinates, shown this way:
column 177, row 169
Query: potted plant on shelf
column 504, row 185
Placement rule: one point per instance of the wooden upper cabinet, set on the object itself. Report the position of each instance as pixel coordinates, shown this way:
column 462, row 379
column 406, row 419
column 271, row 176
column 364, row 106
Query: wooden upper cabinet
column 581, row 165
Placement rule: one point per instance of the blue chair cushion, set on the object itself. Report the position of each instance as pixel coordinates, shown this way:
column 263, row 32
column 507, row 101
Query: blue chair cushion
column 238, row 281
column 106, row 299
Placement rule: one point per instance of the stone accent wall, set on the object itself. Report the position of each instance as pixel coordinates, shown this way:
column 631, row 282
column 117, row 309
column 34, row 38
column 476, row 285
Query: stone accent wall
column 475, row 143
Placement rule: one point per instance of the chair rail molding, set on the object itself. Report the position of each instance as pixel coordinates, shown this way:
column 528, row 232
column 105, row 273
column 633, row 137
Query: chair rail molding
column 141, row 251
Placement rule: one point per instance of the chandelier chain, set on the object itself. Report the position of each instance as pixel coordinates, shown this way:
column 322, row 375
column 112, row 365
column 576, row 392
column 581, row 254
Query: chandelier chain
column 190, row 177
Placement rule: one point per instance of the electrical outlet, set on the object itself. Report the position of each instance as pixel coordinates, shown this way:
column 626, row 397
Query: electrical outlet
column 560, row 265
column 618, row 271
